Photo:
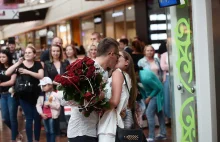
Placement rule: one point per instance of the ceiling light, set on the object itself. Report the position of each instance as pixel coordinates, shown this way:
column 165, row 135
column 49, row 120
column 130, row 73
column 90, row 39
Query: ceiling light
column 2, row 42
column 42, row 1
column 129, row 8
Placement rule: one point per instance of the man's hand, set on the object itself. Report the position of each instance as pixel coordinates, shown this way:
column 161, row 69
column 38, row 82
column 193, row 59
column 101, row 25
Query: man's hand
column 102, row 95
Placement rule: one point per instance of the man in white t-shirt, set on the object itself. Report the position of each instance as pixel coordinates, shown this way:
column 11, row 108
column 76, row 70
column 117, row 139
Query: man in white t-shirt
column 81, row 128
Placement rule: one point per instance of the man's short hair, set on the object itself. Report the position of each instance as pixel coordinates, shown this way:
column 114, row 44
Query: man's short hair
column 106, row 45
column 97, row 34
column 124, row 40
column 11, row 40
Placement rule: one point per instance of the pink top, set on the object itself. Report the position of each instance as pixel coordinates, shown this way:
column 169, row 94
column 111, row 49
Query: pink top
column 154, row 67
column 164, row 62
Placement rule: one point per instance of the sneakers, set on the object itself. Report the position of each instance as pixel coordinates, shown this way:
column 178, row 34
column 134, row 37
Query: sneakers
column 150, row 140
column 161, row 137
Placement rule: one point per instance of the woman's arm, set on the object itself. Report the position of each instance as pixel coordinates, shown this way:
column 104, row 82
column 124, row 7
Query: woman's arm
column 117, row 83
column 163, row 64
column 11, row 69
column 38, row 75
column 10, row 82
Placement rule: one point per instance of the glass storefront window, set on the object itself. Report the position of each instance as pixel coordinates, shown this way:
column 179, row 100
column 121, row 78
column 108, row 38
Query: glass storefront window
column 130, row 22
column 109, row 24
column 22, row 42
column 30, row 38
column 98, row 23
column 120, row 22
column 51, row 33
column 119, row 18
column 63, row 31
column 87, row 30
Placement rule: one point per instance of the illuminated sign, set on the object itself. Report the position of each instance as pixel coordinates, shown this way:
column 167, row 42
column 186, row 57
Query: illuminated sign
column 166, row 3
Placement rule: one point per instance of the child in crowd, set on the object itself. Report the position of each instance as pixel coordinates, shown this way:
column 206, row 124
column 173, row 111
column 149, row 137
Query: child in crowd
column 48, row 106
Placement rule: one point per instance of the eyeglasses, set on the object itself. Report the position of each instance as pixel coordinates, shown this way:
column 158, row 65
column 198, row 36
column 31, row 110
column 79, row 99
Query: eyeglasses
column 118, row 55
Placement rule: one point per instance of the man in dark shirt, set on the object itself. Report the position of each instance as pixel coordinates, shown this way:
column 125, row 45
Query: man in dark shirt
column 45, row 56
column 123, row 44
column 12, row 46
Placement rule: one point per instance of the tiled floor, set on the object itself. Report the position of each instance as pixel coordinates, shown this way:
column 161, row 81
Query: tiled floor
column 5, row 132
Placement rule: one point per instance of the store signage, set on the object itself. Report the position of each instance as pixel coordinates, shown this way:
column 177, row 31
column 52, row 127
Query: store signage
column 117, row 14
column 167, row 3
column 43, row 32
column 13, row 1
column 9, row 11
column 97, row 20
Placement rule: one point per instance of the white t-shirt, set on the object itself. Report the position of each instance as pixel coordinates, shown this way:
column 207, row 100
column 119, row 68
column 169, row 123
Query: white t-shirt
column 79, row 125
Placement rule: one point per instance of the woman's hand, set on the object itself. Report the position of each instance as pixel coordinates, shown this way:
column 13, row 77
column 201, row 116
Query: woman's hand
column 44, row 116
column 23, row 71
column 147, row 100
column 20, row 60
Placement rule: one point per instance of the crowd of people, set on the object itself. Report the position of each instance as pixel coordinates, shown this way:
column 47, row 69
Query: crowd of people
column 137, row 85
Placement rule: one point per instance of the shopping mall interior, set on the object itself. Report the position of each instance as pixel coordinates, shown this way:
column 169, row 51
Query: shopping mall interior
column 187, row 30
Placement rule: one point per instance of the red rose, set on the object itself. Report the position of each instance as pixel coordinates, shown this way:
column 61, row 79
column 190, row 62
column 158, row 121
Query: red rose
column 70, row 74
column 58, row 78
column 92, row 69
column 85, row 59
column 66, row 82
column 79, row 65
column 88, row 96
column 68, row 67
column 90, row 72
column 79, row 72
column 90, row 62
column 75, row 79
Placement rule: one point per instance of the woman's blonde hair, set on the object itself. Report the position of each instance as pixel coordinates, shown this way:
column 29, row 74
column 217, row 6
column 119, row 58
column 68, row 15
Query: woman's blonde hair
column 131, row 72
column 145, row 48
column 90, row 46
column 31, row 46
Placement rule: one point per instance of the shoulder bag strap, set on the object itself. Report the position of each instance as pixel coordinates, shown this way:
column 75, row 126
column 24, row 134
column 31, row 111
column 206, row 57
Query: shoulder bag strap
column 125, row 81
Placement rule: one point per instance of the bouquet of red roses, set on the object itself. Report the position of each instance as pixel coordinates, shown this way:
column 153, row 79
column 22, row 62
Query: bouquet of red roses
column 83, row 83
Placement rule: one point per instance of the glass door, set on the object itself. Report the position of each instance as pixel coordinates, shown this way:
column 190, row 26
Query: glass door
column 182, row 72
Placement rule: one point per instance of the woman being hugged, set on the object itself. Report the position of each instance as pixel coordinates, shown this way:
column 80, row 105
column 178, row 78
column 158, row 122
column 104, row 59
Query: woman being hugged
column 119, row 85
column 56, row 66
column 28, row 72
column 9, row 105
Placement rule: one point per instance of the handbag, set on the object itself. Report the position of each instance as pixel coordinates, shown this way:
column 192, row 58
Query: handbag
column 128, row 135
column 46, row 110
column 23, row 84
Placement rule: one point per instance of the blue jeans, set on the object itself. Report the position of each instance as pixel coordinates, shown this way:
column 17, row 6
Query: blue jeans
column 50, row 129
column 150, row 112
column 167, row 97
column 9, row 109
column 31, row 115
